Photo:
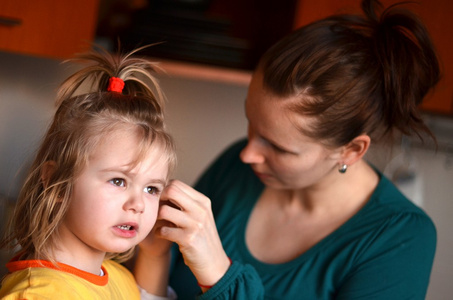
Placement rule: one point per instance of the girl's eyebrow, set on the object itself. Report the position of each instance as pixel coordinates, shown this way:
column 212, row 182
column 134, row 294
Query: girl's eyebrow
column 127, row 173
column 158, row 181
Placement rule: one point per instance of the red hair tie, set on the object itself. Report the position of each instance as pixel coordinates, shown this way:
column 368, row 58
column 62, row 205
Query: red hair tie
column 115, row 85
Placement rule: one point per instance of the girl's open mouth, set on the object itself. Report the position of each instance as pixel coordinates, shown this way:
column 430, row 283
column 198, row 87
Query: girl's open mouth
column 126, row 230
column 125, row 227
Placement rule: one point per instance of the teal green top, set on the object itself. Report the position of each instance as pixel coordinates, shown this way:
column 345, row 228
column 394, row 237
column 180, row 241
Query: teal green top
column 385, row 251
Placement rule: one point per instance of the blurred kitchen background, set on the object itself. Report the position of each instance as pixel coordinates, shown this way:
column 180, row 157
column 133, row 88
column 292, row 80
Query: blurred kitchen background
column 208, row 50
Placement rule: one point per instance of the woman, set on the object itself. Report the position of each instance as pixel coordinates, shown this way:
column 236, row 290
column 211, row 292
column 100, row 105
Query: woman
column 299, row 213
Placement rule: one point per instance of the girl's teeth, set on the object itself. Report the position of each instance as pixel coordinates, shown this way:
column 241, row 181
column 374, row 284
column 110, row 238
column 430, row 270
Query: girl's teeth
column 124, row 227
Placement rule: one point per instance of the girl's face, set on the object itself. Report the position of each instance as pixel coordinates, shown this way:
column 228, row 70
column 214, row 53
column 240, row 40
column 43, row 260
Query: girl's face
column 113, row 205
column 279, row 154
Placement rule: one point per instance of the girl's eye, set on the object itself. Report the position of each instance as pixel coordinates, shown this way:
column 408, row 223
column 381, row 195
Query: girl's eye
column 118, row 182
column 152, row 190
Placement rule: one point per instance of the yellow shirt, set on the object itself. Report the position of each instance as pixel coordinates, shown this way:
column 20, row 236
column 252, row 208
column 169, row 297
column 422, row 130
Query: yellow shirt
column 33, row 279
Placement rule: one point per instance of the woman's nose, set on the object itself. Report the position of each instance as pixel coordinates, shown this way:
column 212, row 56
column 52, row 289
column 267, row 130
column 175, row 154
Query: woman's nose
column 252, row 153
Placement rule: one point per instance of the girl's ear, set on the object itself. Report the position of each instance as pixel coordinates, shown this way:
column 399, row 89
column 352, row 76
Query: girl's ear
column 355, row 150
column 47, row 170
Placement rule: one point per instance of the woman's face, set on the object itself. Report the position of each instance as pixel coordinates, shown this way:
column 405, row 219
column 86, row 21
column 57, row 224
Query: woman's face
column 279, row 154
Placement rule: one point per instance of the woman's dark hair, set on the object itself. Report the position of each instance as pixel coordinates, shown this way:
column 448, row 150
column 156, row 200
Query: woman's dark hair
column 356, row 74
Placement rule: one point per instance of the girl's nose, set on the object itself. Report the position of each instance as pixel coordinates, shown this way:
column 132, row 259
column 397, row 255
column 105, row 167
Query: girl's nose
column 135, row 203
column 252, row 153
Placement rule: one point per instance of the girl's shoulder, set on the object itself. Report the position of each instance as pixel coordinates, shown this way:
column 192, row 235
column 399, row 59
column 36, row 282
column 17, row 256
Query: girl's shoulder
column 33, row 279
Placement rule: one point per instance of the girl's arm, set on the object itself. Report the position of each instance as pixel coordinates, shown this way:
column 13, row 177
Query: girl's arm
column 152, row 274
column 152, row 265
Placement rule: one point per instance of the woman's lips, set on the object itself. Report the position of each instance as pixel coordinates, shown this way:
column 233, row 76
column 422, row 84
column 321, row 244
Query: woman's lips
column 262, row 175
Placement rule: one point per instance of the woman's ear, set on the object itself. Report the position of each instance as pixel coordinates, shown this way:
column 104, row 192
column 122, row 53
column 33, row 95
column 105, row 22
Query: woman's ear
column 47, row 170
column 355, row 149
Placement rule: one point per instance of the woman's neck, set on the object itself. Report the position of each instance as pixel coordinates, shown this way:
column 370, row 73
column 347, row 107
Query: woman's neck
column 348, row 191
column 286, row 223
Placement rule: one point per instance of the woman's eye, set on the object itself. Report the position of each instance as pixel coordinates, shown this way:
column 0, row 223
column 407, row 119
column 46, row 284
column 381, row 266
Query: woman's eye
column 274, row 147
column 278, row 149
column 118, row 182
column 152, row 190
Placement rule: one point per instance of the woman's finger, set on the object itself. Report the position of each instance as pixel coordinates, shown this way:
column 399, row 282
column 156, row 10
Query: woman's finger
column 187, row 189
column 174, row 215
column 184, row 196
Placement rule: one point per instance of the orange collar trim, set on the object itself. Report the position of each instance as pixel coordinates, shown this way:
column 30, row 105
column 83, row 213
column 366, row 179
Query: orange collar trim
column 18, row 265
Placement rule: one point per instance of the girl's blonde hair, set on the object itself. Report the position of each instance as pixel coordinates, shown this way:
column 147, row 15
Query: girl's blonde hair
column 80, row 122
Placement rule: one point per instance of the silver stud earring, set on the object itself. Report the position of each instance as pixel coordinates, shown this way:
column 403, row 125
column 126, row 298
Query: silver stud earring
column 343, row 168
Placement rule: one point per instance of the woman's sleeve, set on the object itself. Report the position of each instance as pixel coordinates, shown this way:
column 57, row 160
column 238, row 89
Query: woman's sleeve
column 396, row 264
column 241, row 282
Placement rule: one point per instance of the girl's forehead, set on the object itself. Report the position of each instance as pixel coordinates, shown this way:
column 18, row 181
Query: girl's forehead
column 129, row 142
column 127, row 154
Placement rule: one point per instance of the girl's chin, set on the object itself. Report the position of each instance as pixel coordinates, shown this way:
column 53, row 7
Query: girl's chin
column 119, row 248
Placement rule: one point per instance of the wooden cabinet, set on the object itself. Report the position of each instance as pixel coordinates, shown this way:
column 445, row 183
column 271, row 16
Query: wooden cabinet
column 226, row 33
column 49, row 28
column 437, row 15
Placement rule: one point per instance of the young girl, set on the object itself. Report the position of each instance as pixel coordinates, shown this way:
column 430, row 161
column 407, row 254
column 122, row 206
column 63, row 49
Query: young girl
column 92, row 193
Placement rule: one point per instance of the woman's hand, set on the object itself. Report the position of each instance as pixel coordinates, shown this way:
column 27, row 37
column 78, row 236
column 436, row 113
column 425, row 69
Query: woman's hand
column 190, row 223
